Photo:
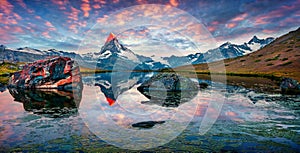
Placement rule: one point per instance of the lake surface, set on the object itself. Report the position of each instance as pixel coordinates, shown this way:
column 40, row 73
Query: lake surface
column 100, row 118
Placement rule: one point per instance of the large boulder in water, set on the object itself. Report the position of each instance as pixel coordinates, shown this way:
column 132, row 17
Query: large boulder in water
column 50, row 73
column 169, row 89
column 289, row 86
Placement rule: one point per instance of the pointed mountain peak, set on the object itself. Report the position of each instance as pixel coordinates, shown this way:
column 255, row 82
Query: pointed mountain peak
column 226, row 44
column 110, row 37
column 254, row 40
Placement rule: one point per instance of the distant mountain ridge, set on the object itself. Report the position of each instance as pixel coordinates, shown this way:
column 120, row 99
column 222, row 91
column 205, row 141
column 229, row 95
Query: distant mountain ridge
column 115, row 55
column 224, row 51
column 281, row 58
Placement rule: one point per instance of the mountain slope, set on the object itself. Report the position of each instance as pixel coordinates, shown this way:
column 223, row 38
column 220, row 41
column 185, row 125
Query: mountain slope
column 280, row 58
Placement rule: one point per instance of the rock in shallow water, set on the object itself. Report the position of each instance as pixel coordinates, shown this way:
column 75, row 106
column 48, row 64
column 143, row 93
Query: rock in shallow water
column 49, row 102
column 290, row 86
column 55, row 72
column 147, row 124
column 2, row 87
column 169, row 89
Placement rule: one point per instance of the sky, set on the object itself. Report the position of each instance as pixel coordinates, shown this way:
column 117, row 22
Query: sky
column 83, row 25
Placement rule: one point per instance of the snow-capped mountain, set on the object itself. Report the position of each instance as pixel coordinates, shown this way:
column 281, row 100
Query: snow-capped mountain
column 115, row 56
column 225, row 51
column 27, row 54
column 256, row 43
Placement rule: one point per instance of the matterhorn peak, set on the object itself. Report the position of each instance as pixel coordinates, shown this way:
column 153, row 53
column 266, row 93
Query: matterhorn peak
column 110, row 38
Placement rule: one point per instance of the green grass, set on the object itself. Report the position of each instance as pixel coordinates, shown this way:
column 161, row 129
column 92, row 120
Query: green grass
column 262, row 75
column 270, row 64
column 287, row 63
column 7, row 68
column 273, row 59
column 257, row 60
column 4, row 80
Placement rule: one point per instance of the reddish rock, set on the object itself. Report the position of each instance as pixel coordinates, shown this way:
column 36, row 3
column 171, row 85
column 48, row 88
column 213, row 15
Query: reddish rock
column 51, row 73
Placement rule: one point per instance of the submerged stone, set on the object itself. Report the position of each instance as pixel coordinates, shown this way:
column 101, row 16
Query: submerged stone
column 147, row 124
column 50, row 102
column 169, row 89
column 290, row 86
column 2, row 87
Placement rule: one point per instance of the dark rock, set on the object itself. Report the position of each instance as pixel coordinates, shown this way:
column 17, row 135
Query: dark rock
column 290, row 86
column 147, row 124
column 57, row 72
column 49, row 102
column 2, row 87
column 169, row 89
column 203, row 85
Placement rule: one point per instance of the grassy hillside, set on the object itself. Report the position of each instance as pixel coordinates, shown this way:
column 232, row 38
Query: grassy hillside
column 281, row 58
column 5, row 69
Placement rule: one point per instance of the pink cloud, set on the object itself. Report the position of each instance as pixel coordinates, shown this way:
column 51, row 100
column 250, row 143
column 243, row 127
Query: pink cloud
column 38, row 17
column 61, row 3
column 231, row 25
column 142, row 1
column 115, row 1
column 100, row 1
column 6, row 36
column 18, row 29
column 231, row 114
column 103, row 19
column 8, row 20
column 6, row 7
column 269, row 31
column 240, row 17
column 23, row 5
column 47, row 23
column 215, row 23
column 50, row 25
column 46, row 34
column 265, row 18
column 174, row 3
column 96, row 6
column 74, row 14
column 211, row 28
column 85, row 7
column 73, row 27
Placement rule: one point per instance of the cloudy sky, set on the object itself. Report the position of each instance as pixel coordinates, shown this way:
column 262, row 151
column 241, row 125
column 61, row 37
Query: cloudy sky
column 67, row 24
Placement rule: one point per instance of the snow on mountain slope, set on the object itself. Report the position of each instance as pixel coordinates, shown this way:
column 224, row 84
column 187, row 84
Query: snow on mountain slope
column 113, row 54
column 224, row 51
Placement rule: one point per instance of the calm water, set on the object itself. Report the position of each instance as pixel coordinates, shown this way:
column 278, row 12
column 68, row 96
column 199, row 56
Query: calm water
column 100, row 118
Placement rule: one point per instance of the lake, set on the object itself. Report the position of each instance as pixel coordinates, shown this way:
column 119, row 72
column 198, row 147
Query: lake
column 102, row 116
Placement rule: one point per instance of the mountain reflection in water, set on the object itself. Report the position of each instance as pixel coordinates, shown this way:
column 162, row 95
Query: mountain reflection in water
column 114, row 84
column 163, row 89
